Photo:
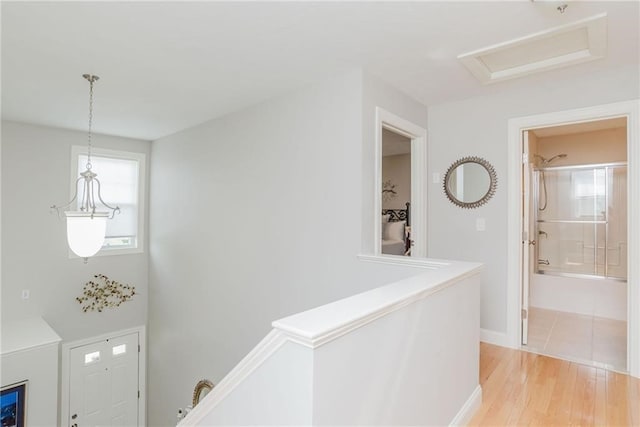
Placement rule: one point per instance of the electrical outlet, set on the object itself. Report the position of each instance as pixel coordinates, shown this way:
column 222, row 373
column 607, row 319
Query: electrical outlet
column 26, row 294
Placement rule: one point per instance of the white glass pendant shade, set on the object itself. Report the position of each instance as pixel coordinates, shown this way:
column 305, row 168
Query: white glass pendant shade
column 85, row 232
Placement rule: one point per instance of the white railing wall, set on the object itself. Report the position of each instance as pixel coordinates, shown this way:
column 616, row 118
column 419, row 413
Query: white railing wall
column 402, row 354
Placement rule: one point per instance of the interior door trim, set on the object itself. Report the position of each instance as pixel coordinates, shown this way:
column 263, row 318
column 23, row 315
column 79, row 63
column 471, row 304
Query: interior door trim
column 418, row 136
column 630, row 110
column 65, row 372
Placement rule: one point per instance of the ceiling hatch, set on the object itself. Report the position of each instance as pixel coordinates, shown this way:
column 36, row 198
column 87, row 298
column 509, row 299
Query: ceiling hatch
column 569, row 44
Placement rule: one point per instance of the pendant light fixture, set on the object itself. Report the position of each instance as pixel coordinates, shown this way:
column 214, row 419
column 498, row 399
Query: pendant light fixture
column 86, row 227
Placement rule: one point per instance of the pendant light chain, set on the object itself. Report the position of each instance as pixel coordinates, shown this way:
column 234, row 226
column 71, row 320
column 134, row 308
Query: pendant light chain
column 91, row 78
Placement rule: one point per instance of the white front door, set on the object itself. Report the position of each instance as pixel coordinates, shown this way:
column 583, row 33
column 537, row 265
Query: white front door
column 103, row 383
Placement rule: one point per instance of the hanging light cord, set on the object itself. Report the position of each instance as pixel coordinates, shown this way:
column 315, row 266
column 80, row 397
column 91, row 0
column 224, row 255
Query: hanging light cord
column 91, row 78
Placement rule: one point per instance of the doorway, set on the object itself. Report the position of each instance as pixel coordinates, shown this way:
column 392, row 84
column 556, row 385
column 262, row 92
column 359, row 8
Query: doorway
column 399, row 201
column 103, row 380
column 575, row 268
column 519, row 238
column 396, row 194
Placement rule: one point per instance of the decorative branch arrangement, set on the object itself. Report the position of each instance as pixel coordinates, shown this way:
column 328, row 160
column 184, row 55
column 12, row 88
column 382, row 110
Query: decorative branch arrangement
column 388, row 190
column 104, row 293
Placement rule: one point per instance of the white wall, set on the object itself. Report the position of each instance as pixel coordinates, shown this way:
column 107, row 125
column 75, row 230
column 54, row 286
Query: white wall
column 315, row 367
column 478, row 126
column 279, row 392
column 30, row 352
column 40, row 367
column 255, row 216
column 35, row 175
column 416, row 366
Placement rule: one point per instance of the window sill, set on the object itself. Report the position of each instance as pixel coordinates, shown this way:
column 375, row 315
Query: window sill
column 110, row 252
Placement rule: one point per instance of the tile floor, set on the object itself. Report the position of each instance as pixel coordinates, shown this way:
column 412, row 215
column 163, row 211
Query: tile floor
column 590, row 340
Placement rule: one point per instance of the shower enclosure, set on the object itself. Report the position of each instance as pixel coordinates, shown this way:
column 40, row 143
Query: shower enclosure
column 581, row 220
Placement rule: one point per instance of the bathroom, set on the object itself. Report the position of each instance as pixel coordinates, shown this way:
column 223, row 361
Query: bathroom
column 577, row 221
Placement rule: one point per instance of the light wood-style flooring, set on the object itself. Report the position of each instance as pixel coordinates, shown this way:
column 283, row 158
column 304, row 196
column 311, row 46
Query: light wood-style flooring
column 522, row 388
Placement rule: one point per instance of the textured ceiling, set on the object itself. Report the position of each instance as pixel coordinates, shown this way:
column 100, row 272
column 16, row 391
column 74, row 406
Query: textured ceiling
column 166, row 66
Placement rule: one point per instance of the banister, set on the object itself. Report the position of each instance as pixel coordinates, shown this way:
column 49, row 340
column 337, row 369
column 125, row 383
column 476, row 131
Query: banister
column 304, row 332
column 320, row 325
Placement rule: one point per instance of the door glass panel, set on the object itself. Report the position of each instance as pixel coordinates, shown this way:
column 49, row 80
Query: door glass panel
column 617, row 223
column 91, row 357
column 582, row 221
column 571, row 195
column 119, row 349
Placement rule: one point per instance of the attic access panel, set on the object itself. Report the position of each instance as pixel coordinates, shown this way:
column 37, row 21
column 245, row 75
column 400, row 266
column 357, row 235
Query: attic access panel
column 570, row 44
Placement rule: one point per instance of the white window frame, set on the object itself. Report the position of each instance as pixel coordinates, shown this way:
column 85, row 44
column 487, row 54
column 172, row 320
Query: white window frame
column 78, row 150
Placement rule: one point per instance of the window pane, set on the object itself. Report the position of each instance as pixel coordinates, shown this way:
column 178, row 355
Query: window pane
column 118, row 187
column 118, row 178
column 589, row 194
column 91, row 357
column 119, row 349
column 121, row 242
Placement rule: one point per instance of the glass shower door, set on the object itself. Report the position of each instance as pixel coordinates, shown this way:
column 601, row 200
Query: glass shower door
column 581, row 220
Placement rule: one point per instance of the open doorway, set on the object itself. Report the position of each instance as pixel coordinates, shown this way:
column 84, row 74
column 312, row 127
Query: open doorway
column 520, row 235
column 575, row 271
column 400, row 206
column 396, row 194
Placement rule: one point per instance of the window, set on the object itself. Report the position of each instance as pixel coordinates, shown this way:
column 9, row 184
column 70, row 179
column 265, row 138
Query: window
column 121, row 175
column 91, row 357
column 119, row 349
column 589, row 193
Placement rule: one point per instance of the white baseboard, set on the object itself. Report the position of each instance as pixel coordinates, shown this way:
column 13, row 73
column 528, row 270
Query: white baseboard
column 495, row 338
column 469, row 408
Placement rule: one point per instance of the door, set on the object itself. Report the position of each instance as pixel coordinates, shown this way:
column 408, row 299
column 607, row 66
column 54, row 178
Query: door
column 103, row 383
column 528, row 236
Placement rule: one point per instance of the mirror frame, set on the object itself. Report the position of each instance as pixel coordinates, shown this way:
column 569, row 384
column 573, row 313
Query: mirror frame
column 493, row 182
column 201, row 386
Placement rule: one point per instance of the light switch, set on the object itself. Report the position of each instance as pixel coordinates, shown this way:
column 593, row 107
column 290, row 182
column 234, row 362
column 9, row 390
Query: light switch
column 25, row 294
column 436, row 177
column 481, row 224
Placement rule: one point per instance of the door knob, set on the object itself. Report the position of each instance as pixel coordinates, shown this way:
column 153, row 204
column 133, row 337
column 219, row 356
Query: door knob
column 532, row 242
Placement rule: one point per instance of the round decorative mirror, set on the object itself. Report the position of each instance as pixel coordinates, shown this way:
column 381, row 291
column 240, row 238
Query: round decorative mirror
column 470, row 182
column 200, row 391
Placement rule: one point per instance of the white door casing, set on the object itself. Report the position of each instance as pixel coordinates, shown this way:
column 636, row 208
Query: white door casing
column 630, row 110
column 527, row 237
column 418, row 136
column 103, row 380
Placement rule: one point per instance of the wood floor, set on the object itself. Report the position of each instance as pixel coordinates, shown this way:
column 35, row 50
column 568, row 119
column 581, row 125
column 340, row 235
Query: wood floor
column 522, row 388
